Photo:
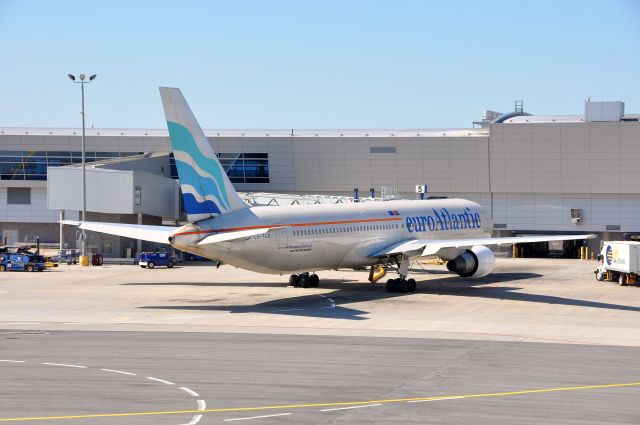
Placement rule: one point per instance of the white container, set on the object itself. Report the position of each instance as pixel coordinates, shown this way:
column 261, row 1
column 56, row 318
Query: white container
column 623, row 257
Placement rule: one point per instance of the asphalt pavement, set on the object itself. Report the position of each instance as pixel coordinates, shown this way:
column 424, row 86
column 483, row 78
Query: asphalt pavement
column 208, row 378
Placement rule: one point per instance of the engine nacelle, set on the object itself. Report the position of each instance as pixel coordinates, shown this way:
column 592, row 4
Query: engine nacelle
column 478, row 261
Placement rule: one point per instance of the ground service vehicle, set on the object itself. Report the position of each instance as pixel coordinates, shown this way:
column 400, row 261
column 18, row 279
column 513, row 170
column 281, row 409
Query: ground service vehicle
column 152, row 259
column 22, row 262
column 619, row 261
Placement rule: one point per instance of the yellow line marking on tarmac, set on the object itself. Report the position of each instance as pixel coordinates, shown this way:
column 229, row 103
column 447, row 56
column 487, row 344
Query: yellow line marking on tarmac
column 329, row 404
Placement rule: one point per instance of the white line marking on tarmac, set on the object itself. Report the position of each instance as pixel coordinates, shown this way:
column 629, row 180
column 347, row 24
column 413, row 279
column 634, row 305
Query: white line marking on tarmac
column 202, row 405
column 330, row 300
column 118, row 371
column 151, row 378
column 20, row 323
column 190, row 392
column 66, row 365
column 333, row 303
column 194, row 420
column 351, row 407
column 436, row 399
column 256, row 417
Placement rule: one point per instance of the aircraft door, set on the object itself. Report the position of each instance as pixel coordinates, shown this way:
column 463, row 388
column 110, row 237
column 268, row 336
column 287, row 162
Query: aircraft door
column 282, row 237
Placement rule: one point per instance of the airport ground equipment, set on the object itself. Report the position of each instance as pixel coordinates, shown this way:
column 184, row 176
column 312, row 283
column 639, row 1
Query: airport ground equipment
column 70, row 256
column 22, row 262
column 619, row 261
column 150, row 260
column 97, row 260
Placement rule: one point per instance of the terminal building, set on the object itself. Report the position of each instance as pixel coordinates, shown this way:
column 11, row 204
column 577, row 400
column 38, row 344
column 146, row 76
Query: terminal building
column 536, row 174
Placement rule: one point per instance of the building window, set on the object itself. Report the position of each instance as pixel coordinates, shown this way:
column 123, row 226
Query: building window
column 19, row 195
column 32, row 165
column 240, row 167
column 382, row 149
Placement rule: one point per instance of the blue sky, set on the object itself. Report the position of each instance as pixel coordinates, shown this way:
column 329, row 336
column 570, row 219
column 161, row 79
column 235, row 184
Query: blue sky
column 314, row 64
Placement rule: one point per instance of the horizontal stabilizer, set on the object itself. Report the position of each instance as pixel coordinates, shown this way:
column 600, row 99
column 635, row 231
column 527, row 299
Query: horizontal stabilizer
column 241, row 234
column 159, row 234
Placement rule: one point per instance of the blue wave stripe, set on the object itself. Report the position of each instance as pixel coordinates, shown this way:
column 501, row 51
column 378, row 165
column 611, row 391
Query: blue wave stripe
column 204, row 185
column 192, row 206
column 182, row 139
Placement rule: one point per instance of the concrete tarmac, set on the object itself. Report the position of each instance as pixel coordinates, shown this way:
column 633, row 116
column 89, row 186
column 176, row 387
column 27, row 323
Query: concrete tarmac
column 539, row 341
column 540, row 300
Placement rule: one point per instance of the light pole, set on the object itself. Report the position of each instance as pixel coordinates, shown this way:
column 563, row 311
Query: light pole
column 83, row 241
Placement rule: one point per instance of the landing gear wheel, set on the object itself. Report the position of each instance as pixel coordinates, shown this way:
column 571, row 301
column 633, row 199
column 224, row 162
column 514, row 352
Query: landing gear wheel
column 305, row 281
column 403, row 286
column 29, row 268
column 294, row 280
column 411, row 285
column 599, row 276
column 391, row 285
column 622, row 280
column 315, row 281
column 3, row 268
column 170, row 265
column 151, row 264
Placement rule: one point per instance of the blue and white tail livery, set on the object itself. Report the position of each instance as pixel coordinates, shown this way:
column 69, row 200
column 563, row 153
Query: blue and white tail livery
column 206, row 189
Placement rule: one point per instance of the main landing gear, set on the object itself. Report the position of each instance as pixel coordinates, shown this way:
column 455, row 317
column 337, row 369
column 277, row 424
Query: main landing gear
column 304, row 280
column 401, row 285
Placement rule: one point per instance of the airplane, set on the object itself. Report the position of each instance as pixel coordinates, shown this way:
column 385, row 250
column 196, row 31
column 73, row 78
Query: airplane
column 303, row 239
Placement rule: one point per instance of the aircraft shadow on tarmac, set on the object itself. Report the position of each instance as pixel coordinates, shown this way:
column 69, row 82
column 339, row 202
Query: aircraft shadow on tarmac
column 326, row 283
column 305, row 305
column 334, row 305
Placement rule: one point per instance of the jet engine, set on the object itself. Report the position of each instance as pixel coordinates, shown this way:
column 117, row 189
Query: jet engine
column 478, row 261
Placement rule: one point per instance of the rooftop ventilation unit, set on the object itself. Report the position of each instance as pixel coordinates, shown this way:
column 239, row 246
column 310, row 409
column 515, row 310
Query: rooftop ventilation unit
column 603, row 111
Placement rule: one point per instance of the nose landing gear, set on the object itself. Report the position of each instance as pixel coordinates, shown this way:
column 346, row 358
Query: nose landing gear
column 304, row 280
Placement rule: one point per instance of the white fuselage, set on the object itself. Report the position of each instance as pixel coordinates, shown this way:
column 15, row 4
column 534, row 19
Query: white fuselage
column 322, row 237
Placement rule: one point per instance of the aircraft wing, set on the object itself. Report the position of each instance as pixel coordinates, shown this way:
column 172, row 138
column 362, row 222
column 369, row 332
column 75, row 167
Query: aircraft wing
column 159, row 234
column 432, row 246
column 240, row 234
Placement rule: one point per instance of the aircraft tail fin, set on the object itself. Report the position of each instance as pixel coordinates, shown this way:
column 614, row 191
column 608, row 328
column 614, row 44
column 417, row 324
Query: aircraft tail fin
column 206, row 189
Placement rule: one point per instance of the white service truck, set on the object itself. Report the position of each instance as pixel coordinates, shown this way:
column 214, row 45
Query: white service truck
column 619, row 261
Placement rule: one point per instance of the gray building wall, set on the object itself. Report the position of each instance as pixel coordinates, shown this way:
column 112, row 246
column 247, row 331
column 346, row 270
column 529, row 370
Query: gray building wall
column 529, row 174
